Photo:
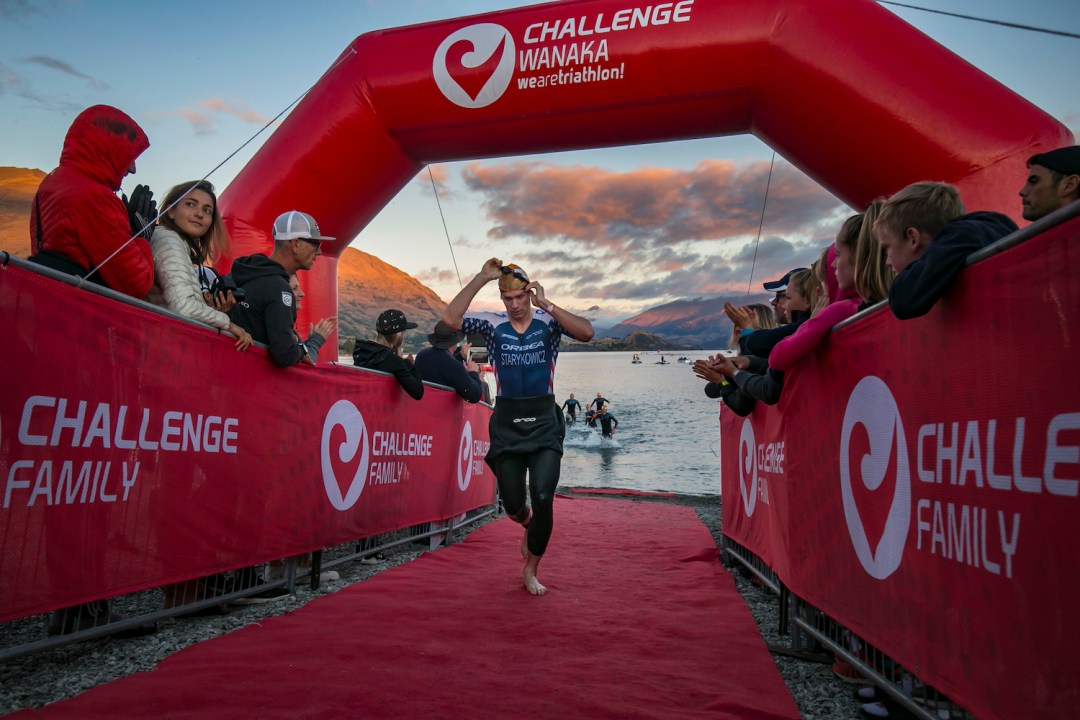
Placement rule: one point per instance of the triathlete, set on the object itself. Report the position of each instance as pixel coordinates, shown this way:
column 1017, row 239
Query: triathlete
column 599, row 402
column 570, row 407
column 526, row 427
column 608, row 422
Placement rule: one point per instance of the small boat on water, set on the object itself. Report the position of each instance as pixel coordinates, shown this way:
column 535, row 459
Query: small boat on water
column 636, row 360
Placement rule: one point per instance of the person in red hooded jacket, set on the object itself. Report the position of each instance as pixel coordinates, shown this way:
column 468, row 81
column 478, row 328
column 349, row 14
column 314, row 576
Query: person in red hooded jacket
column 77, row 221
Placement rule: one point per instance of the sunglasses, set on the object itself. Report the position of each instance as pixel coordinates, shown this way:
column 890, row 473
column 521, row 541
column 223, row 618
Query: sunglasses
column 311, row 241
column 516, row 272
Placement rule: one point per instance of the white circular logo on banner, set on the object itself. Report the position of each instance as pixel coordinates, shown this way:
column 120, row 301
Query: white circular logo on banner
column 748, row 467
column 474, row 65
column 465, row 457
column 355, row 449
column 873, row 406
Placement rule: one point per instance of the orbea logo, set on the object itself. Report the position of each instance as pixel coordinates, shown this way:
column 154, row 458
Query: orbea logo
column 465, row 457
column 474, row 65
column 872, row 405
column 748, row 469
column 354, row 449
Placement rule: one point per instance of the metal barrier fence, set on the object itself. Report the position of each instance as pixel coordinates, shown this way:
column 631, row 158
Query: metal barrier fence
column 209, row 595
column 805, row 625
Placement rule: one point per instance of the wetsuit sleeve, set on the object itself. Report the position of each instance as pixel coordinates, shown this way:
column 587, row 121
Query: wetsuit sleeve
column 922, row 283
column 282, row 341
column 792, row 349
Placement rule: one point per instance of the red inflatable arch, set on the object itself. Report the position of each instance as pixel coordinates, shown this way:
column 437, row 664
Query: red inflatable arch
column 849, row 93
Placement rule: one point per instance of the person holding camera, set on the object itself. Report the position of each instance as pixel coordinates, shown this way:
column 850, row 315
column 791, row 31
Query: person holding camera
column 190, row 234
column 268, row 310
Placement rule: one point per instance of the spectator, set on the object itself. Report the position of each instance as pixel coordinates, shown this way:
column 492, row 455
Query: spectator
column 758, row 316
column 436, row 364
column 268, row 310
column 1053, row 182
column 191, row 234
column 927, row 240
column 318, row 332
column 78, row 225
column 779, row 288
column 384, row 352
column 854, row 240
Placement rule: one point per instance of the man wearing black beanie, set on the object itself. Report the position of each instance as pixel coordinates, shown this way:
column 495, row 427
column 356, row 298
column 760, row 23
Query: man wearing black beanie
column 1053, row 182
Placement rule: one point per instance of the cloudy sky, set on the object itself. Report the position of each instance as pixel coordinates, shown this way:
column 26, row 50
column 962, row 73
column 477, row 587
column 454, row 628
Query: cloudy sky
column 618, row 230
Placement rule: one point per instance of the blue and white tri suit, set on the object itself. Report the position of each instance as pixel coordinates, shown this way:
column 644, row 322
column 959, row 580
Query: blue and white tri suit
column 526, row 429
column 524, row 363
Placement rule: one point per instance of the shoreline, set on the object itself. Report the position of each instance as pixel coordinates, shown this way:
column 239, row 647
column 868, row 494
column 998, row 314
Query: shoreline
column 41, row 678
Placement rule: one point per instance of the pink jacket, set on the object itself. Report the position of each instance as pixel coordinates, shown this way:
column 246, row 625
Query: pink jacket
column 789, row 351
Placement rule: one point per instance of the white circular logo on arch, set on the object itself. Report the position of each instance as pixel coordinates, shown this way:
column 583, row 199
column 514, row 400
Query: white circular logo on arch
column 873, row 406
column 748, row 467
column 355, row 448
column 474, row 65
column 465, row 457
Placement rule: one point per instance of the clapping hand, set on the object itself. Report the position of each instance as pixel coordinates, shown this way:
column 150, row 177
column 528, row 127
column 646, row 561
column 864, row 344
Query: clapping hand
column 742, row 317
column 142, row 211
column 324, row 327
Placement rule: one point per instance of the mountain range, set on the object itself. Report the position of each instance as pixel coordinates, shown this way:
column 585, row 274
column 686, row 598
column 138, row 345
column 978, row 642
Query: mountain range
column 367, row 286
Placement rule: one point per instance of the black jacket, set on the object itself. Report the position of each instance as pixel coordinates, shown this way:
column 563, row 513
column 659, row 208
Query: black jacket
column 268, row 310
column 436, row 365
column 761, row 342
column 374, row 356
column 918, row 286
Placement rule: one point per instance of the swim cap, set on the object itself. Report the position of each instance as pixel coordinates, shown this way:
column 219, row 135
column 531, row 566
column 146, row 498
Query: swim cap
column 512, row 278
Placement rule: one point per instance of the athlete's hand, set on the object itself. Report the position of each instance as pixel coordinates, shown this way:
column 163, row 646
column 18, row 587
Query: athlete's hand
column 492, row 269
column 536, row 295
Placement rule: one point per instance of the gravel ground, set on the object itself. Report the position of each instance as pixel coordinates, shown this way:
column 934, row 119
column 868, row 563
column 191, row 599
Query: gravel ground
column 45, row 677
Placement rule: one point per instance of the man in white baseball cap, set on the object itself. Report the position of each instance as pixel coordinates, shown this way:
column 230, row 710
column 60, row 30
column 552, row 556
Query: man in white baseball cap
column 268, row 310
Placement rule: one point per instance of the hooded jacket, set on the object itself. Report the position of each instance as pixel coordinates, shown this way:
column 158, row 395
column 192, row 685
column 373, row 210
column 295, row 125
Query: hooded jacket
column 268, row 310
column 917, row 287
column 82, row 219
column 376, row 356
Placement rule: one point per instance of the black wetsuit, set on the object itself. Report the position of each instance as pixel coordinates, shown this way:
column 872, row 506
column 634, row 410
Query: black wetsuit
column 527, row 427
column 571, row 407
column 608, row 423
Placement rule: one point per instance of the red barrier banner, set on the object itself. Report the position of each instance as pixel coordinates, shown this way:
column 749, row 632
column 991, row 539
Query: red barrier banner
column 928, row 489
column 138, row 450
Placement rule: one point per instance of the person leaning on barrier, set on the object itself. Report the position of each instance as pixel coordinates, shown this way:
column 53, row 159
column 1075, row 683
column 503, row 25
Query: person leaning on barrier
column 437, row 365
column 384, row 352
column 268, row 310
column 1053, row 182
column 927, row 239
column 77, row 224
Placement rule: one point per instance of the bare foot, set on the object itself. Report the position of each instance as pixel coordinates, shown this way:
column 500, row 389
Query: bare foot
column 528, row 574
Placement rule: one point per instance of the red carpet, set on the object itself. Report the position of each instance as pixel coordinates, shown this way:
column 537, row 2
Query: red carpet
column 640, row 621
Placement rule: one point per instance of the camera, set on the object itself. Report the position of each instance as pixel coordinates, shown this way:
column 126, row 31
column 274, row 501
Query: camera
column 223, row 284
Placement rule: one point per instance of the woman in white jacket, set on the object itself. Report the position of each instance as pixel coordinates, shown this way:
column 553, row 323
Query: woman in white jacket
column 190, row 233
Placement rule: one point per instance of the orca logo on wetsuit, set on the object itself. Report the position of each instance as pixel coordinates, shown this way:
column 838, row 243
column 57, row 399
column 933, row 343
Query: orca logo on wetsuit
column 465, row 457
column 355, row 448
column 873, row 406
column 748, row 467
column 474, row 65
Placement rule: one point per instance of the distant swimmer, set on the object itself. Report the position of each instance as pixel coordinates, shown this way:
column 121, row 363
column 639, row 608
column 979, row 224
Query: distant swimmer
column 608, row 422
column 599, row 402
column 571, row 407
column 526, row 427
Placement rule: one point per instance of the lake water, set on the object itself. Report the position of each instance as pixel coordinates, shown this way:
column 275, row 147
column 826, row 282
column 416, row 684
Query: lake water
column 668, row 437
